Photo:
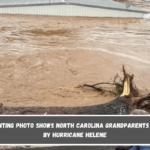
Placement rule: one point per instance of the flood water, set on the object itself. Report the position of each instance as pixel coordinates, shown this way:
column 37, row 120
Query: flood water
column 43, row 59
column 128, row 39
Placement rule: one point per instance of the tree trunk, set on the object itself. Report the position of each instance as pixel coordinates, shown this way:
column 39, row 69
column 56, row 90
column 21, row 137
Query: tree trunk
column 121, row 105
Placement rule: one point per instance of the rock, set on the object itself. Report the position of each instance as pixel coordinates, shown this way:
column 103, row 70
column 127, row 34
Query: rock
column 139, row 112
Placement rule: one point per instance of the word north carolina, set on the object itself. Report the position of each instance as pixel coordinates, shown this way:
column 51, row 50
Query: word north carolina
column 79, row 125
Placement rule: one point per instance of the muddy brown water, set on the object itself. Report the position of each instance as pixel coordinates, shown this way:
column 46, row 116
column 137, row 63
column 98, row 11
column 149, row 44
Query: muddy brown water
column 44, row 59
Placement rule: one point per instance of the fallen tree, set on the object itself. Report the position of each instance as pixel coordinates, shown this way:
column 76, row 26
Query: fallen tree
column 125, row 88
column 126, row 101
column 117, row 106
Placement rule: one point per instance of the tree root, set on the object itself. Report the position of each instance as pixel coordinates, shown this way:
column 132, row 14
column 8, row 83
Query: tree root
column 125, row 88
column 99, row 89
